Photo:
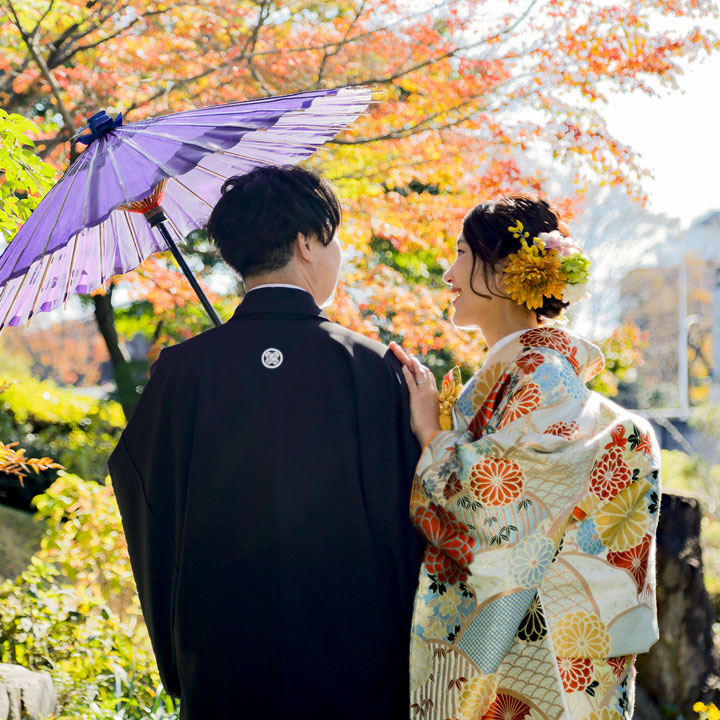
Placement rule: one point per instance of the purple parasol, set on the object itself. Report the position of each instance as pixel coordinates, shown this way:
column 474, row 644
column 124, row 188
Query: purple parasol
column 97, row 221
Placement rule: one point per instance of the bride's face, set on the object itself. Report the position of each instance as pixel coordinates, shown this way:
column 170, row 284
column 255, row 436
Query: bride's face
column 470, row 308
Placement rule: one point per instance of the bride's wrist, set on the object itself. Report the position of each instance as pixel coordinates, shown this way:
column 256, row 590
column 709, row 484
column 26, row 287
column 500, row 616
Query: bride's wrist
column 426, row 432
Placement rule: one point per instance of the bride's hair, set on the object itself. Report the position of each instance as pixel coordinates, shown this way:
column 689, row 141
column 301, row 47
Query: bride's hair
column 485, row 229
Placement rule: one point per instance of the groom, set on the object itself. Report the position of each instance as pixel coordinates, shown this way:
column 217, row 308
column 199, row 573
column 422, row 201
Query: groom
column 264, row 484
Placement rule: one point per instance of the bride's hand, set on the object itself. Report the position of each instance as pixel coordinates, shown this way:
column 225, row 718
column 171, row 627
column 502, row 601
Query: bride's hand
column 424, row 405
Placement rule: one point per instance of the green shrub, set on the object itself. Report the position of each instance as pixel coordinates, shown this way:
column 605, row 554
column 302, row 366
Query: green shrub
column 74, row 612
column 694, row 476
column 77, row 430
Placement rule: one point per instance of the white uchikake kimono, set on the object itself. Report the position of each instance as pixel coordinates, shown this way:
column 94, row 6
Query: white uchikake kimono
column 540, row 507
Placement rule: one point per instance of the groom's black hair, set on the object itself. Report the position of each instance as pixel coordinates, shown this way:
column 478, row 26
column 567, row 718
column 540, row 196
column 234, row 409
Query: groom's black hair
column 259, row 215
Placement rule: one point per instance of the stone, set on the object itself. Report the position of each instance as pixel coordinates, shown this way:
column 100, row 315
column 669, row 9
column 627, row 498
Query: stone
column 25, row 695
column 684, row 665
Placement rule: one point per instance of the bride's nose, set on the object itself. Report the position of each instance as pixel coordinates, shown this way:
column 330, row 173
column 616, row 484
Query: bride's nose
column 448, row 275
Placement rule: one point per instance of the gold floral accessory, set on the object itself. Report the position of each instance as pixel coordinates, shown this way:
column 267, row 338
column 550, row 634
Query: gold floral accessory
column 451, row 389
column 548, row 265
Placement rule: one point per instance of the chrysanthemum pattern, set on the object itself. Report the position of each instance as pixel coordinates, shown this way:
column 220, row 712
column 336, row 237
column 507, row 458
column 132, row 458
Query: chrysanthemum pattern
column 509, row 485
column 529, row 560
column 581, row 635
column 529, row 362
column 575, row 673
column 573, row 386
column 610, row 475
column 524, row 401
column 623, row 521
column 567, row 430
column 547, row 337
column 496, row 481
column 635, row 560
column 588, row 538
column 476, row 696
column 451, row 545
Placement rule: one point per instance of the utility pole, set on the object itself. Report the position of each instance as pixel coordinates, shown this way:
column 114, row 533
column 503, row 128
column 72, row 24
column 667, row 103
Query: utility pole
column 683, row 390
column 715, row 387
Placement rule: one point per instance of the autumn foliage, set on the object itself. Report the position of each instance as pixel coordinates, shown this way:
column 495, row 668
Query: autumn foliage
column 14, row 461
column 471, row 93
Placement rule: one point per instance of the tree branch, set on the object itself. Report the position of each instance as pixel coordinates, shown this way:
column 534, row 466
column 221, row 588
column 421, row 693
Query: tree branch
column 46, row 73
column 330, row 53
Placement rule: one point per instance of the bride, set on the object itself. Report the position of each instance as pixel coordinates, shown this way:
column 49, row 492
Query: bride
column 539, row 505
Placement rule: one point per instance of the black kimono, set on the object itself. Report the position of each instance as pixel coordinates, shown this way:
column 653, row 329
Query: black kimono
column 264, row 483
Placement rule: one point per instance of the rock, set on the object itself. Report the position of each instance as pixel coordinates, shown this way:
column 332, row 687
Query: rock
column 683, row 666
column 25, row 695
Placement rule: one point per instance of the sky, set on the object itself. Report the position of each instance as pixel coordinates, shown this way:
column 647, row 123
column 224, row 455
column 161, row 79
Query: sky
column 678, row 137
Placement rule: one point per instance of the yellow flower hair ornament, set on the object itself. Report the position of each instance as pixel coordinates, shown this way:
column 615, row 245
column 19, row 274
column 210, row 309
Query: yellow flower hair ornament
column 550, row 265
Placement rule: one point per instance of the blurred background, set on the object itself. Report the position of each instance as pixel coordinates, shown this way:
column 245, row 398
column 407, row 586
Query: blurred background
column 608, row 109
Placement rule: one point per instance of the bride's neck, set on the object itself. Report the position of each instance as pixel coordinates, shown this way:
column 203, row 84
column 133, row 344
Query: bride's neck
column 511, row 318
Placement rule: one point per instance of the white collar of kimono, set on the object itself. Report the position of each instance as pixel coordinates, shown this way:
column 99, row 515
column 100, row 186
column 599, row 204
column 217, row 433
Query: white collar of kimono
column 284, row 285
column 500, row 344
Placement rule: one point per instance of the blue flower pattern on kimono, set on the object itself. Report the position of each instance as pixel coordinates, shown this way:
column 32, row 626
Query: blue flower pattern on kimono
column 547, row 377
column 464, row 402
column 529, row 560
column 521, row 493
column 588, row 539
column 570, row 380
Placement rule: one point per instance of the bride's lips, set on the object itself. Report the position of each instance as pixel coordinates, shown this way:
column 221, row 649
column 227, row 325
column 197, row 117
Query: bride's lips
column 455, row 295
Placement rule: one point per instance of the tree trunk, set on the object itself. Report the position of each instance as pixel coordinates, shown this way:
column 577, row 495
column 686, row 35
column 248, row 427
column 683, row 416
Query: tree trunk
column 683, row 666
column 122, row 367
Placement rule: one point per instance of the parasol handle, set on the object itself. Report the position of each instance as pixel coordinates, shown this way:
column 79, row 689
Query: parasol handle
column 158, row 221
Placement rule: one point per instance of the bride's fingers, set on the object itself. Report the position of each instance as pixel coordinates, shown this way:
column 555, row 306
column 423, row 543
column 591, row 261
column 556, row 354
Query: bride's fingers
column 409, row 379
column 401, row 355
column 421, row 373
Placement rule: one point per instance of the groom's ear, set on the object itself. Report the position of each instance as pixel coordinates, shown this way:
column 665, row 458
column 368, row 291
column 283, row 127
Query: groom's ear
column 302, row 247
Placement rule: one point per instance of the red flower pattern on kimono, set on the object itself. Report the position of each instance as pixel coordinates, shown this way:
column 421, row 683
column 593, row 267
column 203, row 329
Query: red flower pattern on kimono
column 496, row 481
column 610, row 475
column 575, row 673
column 530, row 362
column 443, row 567
column 452, row 487
column 521, row 403
column 635, row 560
column 452, row 545
column 506, row 707
column 569, row 431
column 645, row 444
column 549, row 338
column 618, row 665
column 489, row 406
column 618, row 438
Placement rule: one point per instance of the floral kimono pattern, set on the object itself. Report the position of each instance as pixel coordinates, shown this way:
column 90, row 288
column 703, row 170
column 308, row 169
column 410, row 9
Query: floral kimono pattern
column 537, row 587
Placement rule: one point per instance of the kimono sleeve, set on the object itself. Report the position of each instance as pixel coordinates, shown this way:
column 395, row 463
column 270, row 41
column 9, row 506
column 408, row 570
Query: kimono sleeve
column 530, row 435
column 150, row 540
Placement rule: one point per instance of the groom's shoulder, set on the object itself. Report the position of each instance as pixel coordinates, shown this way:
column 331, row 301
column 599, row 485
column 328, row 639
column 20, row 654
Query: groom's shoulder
column 320, row 332
column 360, row 346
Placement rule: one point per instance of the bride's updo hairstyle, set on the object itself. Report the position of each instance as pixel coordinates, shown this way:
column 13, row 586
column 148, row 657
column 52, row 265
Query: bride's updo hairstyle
column 485, row 229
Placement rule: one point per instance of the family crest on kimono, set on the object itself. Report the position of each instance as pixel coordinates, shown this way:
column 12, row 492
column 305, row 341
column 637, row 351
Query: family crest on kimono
column 539, row 505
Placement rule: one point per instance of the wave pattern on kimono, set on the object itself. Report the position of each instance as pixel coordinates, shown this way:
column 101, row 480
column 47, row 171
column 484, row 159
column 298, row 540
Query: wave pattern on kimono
column 537, row 587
